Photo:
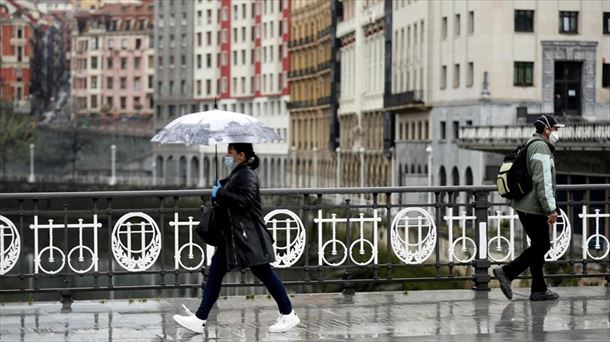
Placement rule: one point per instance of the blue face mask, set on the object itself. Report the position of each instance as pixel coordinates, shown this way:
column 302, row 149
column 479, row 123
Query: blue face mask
column 229, row 162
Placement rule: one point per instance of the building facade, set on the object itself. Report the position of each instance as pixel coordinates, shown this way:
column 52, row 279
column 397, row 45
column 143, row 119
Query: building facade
column 490, row 63
column 112, row 62
column 16, row 54
column 361, row 32
column 231, row 55
column 314, row 81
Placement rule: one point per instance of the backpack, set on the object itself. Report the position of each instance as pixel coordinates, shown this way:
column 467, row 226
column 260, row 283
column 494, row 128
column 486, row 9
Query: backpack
column 514, row 181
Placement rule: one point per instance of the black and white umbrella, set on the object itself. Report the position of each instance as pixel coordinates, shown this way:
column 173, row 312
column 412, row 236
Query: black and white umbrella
column 215, row 127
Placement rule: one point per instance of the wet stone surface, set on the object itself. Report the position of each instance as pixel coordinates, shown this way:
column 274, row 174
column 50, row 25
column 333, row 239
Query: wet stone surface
column 580, row 314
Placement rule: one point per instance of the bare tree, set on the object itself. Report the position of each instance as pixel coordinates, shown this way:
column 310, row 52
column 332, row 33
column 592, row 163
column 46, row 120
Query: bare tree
column 16, row 132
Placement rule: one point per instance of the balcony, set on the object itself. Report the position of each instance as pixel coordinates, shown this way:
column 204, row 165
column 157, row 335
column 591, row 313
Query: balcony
column 404, row 99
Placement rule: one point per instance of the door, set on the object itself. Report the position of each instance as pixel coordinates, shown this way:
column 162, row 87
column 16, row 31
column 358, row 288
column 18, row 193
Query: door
column 568, row 87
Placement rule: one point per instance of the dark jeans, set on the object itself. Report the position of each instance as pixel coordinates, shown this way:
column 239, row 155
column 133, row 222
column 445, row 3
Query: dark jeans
column 264, row 273
column 537, row 228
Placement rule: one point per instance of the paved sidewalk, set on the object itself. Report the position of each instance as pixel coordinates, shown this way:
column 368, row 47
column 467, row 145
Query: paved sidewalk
column 581, row 314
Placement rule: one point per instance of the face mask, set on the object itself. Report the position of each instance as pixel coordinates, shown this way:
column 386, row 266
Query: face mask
column 554, row 137
column 229, row 162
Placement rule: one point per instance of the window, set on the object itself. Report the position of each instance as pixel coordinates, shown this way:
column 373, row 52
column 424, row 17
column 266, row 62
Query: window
column 568, row 22
column 199, row 39
column 123, row 102
column 93, row 62
column 94, row 82
column 606, row 22
column 470, row 75
column 138, row 43
column 606, row 75
column 109, row 82
column 456, row 75
column 137, row 83
column 443, row 130
column 109, row 62
column 457, row 24
column 456, row 130
column 137, row 63
column 93, row 101
column 208, row 38
column 471, row 22
column 110, row 101
column 208, row 60
column 444, row 77
column 444, row 28
column 124, row 43
column 523, row 75
column 524, row 21
column 198, row 61
column 150, row 82
column 123, row 83
column 123, row 63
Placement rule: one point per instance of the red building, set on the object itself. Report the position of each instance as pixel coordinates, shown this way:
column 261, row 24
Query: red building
column 16, row 31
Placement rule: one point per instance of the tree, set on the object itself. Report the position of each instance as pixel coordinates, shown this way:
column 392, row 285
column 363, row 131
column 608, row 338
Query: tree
column 16, row 132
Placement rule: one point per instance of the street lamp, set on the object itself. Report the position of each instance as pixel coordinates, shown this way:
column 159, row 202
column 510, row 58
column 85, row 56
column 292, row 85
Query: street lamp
column 31, row 177
column 112, row 180
column 429, row 151
column 315, row 166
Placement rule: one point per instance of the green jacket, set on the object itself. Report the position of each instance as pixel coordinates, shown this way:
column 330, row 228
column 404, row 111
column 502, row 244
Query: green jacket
column 541, row 167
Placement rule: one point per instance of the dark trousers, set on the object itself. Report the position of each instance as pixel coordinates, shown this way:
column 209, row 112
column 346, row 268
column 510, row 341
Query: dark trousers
column 537, row 229
column 264, row 273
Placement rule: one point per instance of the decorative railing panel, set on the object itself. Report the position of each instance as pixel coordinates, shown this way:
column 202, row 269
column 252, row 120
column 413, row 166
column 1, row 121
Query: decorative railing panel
column 366, row 234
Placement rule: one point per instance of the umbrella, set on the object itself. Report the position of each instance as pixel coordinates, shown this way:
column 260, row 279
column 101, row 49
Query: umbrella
column 215, row 127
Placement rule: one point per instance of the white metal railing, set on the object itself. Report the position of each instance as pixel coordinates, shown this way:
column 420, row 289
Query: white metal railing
column 578, row 132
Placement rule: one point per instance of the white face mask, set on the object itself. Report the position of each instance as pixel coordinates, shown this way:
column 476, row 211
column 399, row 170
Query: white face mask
column 554, row 137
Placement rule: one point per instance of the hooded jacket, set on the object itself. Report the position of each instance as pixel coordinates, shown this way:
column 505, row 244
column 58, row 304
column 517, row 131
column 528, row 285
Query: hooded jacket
column 541, row 167
column 247, row 242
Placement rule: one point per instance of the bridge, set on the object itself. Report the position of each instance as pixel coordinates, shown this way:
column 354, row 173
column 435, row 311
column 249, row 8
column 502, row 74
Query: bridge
column 82, row 245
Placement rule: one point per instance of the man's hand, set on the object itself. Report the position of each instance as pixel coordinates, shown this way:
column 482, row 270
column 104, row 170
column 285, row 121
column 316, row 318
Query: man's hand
column 552, row 218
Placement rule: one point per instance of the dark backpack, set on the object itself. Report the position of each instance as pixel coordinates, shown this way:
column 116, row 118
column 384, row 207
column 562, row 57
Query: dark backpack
column 514, row 181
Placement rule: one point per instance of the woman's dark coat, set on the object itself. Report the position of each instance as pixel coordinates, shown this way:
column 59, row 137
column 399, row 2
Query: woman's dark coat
column 247, row 242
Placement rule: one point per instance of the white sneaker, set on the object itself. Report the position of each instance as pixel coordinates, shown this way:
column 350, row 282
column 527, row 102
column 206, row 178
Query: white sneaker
column 188, row 312
column 285, row 322
column 192, row 323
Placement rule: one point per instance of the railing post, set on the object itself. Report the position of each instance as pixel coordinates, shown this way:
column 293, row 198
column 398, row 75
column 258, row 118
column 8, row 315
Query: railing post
column 481, row 263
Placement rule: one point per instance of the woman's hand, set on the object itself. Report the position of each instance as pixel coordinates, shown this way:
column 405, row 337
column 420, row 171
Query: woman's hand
column 215, row 188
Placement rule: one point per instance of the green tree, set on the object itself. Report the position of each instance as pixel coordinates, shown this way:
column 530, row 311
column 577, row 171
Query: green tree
column 16, row 132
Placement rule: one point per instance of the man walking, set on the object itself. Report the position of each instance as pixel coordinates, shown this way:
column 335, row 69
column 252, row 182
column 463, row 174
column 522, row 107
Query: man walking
column 537, row 212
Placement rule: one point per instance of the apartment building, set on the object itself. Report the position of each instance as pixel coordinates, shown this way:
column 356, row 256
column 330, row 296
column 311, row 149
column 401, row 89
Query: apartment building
column 112, row 62
column 228, row 54
column 488, row 63
column 314, row 81
column 17, row 30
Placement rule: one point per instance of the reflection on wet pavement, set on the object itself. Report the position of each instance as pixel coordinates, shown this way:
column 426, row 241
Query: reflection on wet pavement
column 582, row 313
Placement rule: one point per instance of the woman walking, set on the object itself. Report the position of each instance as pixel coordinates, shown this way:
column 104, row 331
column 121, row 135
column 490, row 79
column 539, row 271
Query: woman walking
column 247, row 242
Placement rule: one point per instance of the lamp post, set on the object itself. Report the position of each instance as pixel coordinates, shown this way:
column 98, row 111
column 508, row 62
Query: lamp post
column 429, row 151
column 112, row 180
column 315, row 166
column 338, row 182
column 31, row 177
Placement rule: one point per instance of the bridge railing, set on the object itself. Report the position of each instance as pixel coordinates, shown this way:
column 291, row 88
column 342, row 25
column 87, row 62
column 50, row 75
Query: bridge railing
column 345, row 237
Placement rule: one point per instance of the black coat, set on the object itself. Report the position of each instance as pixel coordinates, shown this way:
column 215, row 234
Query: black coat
column 247, row 242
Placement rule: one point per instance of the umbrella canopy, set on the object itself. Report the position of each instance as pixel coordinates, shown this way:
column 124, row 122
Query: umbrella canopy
column 215, row 127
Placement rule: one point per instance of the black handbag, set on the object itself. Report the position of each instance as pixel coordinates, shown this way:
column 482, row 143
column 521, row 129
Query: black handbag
column 208, row 230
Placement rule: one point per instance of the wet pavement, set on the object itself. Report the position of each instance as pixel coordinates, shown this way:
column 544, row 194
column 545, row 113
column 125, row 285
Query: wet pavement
column 580, row 314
